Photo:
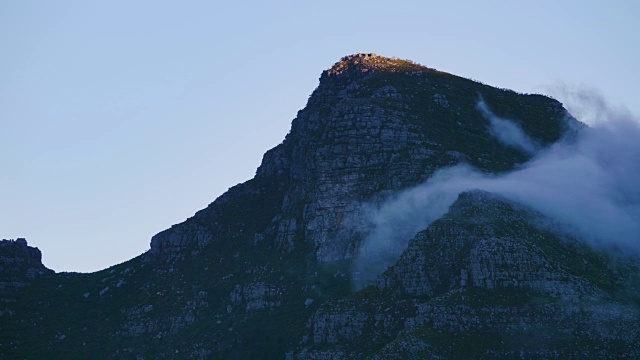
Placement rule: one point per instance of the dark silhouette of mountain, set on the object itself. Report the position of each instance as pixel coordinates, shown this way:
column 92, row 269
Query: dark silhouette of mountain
column 267, row 269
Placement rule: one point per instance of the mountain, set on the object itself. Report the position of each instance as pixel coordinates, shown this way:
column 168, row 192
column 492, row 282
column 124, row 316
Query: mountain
column 270, row 268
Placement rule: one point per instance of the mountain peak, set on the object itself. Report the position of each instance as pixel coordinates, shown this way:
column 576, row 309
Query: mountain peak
column 366, row 63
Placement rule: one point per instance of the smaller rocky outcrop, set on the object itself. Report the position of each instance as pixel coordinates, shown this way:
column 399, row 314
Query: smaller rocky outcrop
column 19, row 264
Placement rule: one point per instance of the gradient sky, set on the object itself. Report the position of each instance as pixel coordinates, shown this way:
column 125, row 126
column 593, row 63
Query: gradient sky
column 121, row 118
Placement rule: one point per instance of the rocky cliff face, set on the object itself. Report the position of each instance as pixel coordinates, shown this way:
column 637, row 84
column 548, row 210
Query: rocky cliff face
column 376, row 125
column 265, row 270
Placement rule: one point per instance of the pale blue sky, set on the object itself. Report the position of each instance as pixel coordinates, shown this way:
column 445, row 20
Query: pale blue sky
column 121, row 118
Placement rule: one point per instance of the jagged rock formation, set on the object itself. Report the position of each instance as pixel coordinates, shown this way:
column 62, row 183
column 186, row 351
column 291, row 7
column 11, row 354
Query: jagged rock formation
column 20, row 266
column 264, row 270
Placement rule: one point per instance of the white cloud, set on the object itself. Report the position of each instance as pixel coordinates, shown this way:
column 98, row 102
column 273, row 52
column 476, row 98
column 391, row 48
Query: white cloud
column 591, row 185
column 507, row 131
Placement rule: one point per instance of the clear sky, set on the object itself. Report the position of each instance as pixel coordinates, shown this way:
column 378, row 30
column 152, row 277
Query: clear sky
column 121, row 118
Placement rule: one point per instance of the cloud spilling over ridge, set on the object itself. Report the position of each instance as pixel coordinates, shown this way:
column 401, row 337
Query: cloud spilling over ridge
column 588, row 104
column 591, row 185
column 508, row 132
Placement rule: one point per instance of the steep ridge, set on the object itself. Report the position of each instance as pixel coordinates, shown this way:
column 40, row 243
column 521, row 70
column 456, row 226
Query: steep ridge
column 242, row 277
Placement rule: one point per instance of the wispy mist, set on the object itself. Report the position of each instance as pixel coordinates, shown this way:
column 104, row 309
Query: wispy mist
column 587, row 104
column 507, row 131
column 591, row 185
